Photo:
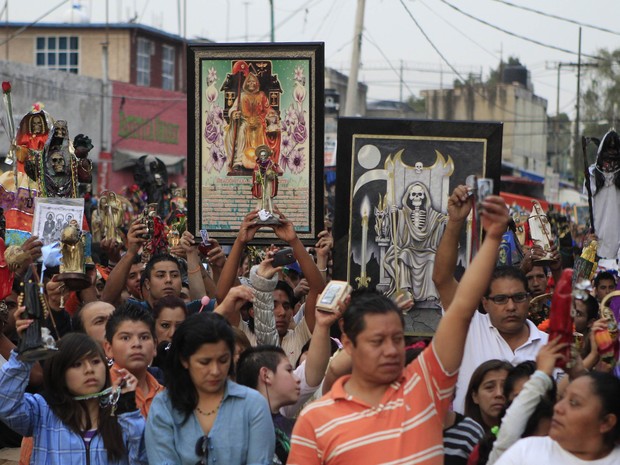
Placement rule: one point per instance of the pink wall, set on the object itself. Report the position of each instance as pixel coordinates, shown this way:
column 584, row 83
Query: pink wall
column 149, row 121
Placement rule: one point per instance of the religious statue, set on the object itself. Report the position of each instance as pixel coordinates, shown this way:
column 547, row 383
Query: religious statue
column 604, row 183
column 62, row 165
column 177, row 227
column 72, row 267
column 37, row 342
column 17, row 190
column 540, row 232
column 155, row 235
column 265, row 184
column 151, row 176
column 411, row 259
column 607, row 339
column 110, row 213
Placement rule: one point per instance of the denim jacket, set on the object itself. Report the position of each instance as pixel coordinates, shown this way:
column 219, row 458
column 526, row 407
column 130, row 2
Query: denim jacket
column 242, row 434
column 54, row 442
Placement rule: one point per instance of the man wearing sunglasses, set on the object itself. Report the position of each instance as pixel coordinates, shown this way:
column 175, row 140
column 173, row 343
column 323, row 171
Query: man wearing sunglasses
column 504, row 332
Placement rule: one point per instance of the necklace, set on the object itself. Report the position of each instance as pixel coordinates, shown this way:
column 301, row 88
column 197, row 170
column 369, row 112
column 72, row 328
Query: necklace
column 210, row 412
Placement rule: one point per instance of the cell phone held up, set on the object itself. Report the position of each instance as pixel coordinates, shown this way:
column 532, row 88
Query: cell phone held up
column 334, row 293
column 283, row 257
column 204, row 247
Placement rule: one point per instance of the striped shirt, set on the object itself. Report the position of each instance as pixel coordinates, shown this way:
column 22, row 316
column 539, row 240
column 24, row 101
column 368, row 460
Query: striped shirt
column 460, row 439
column 405, row 428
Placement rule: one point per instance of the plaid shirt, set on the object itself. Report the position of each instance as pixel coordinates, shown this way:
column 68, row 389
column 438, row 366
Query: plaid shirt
column 54, row 442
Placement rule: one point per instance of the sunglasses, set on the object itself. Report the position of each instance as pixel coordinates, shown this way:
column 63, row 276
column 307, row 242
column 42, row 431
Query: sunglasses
column 202, row 450
column 501, row 299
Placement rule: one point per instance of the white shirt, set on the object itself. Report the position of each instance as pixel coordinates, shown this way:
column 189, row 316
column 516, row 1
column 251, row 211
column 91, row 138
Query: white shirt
column 485, row 343
column 544, row 450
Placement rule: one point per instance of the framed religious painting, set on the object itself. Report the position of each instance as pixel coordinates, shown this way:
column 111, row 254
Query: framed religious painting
column 255, row 122
column 394, row 178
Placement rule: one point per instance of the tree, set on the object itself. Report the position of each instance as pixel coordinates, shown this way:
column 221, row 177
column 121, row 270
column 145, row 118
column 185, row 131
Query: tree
column 417, row 104
column 601, row 99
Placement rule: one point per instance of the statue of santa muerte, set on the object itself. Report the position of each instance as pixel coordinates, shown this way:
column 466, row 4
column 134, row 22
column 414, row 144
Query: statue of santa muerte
column 46, row 163
column 603, row 188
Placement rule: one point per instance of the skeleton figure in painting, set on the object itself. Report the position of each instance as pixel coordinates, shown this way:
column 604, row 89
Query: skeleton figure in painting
column 418, row 231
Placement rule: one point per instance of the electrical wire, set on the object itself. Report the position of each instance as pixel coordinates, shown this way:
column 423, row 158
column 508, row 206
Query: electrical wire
column 400, row 80
column 518, row 36
column 22, row 29
column 458, row 30
column 442, row 56
column 50, row 85
column 549, row 15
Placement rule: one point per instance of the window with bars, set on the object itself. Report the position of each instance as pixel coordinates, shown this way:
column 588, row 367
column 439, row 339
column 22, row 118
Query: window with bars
column 167, row 68
column 60, row 53
column 145, row 50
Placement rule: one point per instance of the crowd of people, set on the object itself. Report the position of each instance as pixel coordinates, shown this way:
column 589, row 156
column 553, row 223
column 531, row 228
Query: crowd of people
column 197, row 356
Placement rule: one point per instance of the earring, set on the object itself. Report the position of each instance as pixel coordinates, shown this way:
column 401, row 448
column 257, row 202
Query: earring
column 110, row 362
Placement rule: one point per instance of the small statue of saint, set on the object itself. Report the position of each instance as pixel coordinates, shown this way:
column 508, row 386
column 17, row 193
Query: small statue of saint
column 540, row 232
column 265, row 184
column 37, row 342
column 110, row 214
column 72, row 267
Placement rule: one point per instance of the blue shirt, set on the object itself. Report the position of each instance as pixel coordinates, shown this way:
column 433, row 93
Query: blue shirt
column 54, row 442
column 242, row 433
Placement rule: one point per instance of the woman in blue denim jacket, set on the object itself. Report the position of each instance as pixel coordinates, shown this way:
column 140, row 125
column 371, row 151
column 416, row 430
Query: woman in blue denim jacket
column 80, row 418
column 203, row 417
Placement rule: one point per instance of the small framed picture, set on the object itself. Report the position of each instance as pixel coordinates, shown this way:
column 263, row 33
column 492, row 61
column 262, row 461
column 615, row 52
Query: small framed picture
column 52, row 215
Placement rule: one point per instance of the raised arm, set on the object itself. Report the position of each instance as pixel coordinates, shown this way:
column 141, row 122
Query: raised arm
column 194, row 267
column 459, row 206
column 319, row 351
column 449, row 340
column 228, row 275
column 286, row 231
column 118, row 276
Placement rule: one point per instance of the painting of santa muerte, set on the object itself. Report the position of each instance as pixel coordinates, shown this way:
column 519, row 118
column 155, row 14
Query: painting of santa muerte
column 255, row 137
column 394, row 178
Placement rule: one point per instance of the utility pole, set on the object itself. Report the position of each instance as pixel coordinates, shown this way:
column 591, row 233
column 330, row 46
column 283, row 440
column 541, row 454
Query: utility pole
column 351, row 103
column 577, row 159
column 273, row 26
column 401, row 81
column 576, row 162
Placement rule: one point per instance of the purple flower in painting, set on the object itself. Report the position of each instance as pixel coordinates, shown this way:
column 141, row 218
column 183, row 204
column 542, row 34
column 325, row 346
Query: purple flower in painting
column 285, row 143
column 296, row 162
column 211, row 131
column 212, row 76
column 299, row 133
column 299, row 75
column 284, row 161
column 216, row 159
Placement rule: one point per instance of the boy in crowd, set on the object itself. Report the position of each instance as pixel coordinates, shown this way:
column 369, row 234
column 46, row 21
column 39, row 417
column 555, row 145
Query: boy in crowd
column 131, row 343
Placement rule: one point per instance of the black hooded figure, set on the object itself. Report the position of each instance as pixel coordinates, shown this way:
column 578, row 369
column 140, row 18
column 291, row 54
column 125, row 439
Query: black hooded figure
column 605, row 184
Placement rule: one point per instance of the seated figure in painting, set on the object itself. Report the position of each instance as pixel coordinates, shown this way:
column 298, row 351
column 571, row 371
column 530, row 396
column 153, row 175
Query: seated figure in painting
column 419, row 230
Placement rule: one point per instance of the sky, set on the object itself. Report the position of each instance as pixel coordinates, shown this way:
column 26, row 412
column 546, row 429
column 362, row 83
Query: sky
column 391, row 38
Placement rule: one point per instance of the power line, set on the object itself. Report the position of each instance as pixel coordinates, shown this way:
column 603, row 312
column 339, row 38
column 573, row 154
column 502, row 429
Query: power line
column 49, row 84
column 458, row 30
column 513, row 34
column 549, row 15
column 441, row 55
column 401, row 80
column 22, row 29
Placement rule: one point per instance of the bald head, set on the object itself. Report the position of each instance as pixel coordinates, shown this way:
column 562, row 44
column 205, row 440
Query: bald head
column 92, row 318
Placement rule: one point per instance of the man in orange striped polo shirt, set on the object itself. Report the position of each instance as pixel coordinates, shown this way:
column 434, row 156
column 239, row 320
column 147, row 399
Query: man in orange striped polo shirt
column 383, row 413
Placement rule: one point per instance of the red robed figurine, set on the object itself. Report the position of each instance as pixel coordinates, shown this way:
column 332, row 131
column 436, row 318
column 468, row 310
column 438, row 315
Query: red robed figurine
column 560, row 319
